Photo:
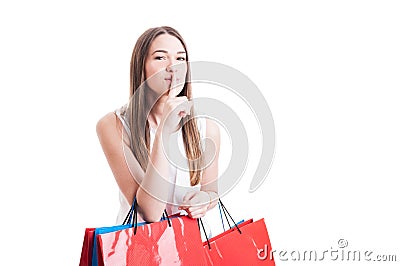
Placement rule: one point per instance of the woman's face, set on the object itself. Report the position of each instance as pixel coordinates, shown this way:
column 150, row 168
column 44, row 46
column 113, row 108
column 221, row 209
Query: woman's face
column 166, row 61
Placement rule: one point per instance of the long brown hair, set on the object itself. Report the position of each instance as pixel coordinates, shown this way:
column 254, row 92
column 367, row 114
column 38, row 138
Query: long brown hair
column 138, row 109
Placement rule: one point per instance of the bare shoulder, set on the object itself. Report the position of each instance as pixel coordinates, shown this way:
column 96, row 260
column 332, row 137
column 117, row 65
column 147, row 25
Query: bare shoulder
column 109, row 119
column 108, row 126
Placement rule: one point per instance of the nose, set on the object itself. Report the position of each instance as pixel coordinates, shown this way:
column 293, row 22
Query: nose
column 171, row 68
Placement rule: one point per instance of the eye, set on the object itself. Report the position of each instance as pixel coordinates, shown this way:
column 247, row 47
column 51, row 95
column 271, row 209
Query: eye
column 181, row 58
column 160, row 57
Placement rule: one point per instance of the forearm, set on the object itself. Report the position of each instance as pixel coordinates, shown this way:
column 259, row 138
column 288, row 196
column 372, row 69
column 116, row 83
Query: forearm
column 153, row 192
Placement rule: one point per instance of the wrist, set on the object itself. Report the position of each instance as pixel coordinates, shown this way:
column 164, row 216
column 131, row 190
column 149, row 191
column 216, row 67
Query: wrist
column 211, row 199
column 161, row 137
column 161, row 132
column 165, row 129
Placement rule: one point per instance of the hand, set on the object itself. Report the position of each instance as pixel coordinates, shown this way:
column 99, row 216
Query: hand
column 195, row 203
column 175, row 108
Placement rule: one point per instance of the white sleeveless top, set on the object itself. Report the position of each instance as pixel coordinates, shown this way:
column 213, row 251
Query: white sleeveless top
column 179, row 177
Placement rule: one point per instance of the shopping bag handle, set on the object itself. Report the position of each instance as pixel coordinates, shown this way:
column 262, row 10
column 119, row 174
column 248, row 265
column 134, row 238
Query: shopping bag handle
column 225, row 211
column 135, row 223
column 131, row 217
column 200, row 222
column 128, row 217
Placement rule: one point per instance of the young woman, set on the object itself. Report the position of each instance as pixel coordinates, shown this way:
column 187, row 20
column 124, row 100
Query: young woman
column 136, row 138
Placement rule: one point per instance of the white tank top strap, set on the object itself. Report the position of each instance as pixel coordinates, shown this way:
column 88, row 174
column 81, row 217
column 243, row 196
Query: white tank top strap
column 121, row 114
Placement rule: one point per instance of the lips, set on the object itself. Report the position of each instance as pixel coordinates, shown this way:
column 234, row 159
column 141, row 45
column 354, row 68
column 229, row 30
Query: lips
column 170, row 79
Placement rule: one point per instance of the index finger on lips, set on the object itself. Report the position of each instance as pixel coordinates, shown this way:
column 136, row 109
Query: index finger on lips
column 172, row 88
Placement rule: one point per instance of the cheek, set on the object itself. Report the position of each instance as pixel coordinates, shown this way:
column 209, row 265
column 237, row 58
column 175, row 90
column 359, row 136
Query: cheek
column 155, row 81
column 151, row 69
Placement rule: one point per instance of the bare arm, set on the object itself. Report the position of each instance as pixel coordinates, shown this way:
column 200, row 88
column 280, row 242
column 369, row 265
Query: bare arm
column 109, row 130
column 152, row 193
column 197, row 203
column 209, row 181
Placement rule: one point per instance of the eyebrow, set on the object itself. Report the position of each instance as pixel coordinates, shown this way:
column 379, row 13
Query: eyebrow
column 165, row 51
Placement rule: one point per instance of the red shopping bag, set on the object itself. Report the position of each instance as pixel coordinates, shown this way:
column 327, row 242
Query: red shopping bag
column 89, row 253
column 250, row 246
column 246, row 243
column 87, row 248
column 176, row 241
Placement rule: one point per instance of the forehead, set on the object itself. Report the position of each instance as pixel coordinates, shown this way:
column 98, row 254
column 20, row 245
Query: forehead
column 166, row 42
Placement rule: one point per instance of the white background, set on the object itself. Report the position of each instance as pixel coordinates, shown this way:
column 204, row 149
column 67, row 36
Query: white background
column 329, row 71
